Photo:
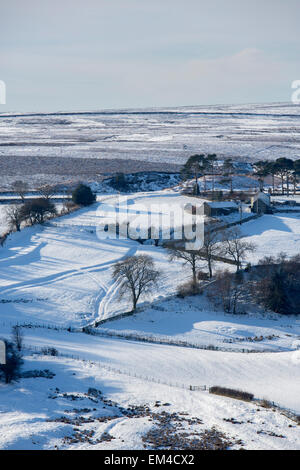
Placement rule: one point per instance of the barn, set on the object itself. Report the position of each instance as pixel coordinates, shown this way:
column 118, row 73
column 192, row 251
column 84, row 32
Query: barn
column 261, row 203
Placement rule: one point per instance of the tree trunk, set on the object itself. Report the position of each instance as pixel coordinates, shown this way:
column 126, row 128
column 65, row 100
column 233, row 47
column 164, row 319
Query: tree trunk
column 209, row 267
column 134, row 301
column 213, row 177
column 194, row 273
column 234, row 304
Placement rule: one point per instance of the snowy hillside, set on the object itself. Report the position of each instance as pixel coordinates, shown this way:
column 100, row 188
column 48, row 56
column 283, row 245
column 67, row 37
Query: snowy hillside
column 68, row 412
column 59, row 275
column 61, row 272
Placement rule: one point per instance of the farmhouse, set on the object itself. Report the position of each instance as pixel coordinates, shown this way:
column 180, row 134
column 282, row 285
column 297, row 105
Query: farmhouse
column 222, row 208
column 216, row 209
column 261, row 203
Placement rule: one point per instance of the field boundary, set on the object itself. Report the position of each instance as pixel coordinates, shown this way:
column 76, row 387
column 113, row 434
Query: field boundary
column 288, row 413
column 167, row 341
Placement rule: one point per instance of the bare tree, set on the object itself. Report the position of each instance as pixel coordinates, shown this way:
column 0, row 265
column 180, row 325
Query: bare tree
column 137, row 276
column 276, row 284
column 17, row 337
column 228, row 171
column 36, row 210
column 235, row 246
column 229, row 288
column 21, row 188
column 3, row 238
column 10, row 371
column 211, row 246
column 47, row 191
column 189, row 257
column 212, row 159
column 14, row 217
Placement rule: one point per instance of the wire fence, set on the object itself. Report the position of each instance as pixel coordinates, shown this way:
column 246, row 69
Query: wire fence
column 108, row 368
column 166, row 340
column 287, row 412
column 46, row 326
column 151, row 339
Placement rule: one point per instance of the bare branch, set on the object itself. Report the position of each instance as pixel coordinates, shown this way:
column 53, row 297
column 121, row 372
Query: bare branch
column 137, row 276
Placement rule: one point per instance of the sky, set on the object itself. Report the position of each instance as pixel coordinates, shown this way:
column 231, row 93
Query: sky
column 66, row 55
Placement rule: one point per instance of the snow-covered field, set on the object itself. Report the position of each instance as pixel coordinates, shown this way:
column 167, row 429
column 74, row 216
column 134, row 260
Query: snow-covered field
column 193, row 322
column 45, row 413
column 252, row 372
column 273, row 234
column 60, row 274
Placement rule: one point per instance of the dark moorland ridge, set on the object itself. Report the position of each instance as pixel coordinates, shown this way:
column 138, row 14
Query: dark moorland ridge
column 43, row 169
column 86, row 167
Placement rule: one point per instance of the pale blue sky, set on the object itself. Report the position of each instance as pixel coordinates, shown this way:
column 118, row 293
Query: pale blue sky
column 89, row 55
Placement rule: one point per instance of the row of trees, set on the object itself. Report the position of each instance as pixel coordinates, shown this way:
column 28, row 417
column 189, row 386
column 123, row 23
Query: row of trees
column 45, row 191
column 30, row 211
column 202, row 165
column 137, row 275
column 33, row 211
column 284, row 168
column 274, row 282
column 81, row 195
column 227, row 245
column 207, row 164
column 37, row 210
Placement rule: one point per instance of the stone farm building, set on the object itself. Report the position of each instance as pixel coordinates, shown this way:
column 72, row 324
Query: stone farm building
column 261, row 203
column 213, row 209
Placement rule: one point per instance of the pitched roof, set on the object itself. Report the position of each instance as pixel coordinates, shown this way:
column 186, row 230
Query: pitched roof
column 262, row 197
